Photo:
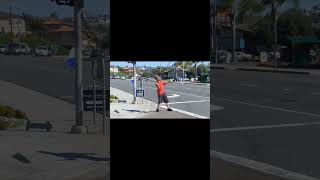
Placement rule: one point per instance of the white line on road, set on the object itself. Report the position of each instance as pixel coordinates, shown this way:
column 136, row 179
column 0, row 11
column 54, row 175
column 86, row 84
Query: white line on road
column 182, row 93
column 249, row 85
column 260, row 166
column 262, row 127
column 269, row 107
column 188, row 102
column 187, row 113
column 173, row 96
column 215, row 108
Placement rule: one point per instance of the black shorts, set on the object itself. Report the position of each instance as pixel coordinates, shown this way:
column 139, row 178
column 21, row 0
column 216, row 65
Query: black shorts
column 163, row 98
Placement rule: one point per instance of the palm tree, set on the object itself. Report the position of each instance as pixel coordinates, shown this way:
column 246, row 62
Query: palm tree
column 274, row 5
column 239, row 9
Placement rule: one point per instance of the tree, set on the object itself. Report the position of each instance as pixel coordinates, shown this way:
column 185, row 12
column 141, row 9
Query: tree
column 294, row 22
column 239, row 8
column 274, row 5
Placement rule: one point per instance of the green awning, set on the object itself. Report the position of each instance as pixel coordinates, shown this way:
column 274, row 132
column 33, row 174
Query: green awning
column 304, row 40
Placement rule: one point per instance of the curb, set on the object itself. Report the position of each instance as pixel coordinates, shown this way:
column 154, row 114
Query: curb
column 274, row 71
column 264, row 70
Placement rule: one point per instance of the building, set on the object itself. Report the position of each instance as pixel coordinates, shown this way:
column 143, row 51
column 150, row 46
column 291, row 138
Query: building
column 62, row 33
column 114, row 69
column 18, row 24
column 127, row 70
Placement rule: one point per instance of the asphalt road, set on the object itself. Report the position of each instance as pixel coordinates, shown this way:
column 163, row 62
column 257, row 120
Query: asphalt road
column 193, row 100
column 48, row 75
column 270, row 118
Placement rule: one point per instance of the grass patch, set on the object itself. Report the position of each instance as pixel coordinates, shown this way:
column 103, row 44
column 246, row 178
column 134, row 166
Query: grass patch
column 10, row 117
column 113, row 98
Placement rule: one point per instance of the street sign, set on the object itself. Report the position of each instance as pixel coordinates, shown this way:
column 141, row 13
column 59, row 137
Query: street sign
column 71, row 62
column 88, row 100
column 139, row 92
column 242, row 43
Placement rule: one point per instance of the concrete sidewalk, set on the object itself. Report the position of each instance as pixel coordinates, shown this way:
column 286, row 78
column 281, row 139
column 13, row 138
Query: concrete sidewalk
column 52, row 155
column 254, row 67
column 139, row 111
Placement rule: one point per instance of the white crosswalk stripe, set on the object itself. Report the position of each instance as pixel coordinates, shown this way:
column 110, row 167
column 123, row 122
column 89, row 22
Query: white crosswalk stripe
column 215, row 108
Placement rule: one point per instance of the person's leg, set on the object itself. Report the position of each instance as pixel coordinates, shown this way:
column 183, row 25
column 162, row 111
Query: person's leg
column 159, row 101
column 165, row 99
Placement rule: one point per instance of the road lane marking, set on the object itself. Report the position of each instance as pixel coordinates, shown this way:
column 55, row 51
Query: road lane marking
column 269, row 107
column 260, row 166
column 173, row 96
column 249, row 85
column 262, row 127
column 188, row 102
column 187, row 113
column 182, row 93
column 215, row 108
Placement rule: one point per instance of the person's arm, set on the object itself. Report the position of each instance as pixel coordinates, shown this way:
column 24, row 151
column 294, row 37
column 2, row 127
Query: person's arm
column 157, row 85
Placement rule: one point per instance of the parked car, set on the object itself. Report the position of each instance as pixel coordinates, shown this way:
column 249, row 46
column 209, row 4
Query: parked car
column 270, row 55
column 12, row 48
column 23, row 49
column 241, row 56
column 3, row 49
column 224, row 56
column 42, row 51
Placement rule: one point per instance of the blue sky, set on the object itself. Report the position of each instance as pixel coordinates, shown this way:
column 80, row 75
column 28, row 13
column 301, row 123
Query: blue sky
column 147, row 63
column 45, row 7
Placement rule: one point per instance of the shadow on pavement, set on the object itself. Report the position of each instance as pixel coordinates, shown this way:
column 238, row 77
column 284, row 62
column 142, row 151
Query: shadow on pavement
column 129, row 110
column 75, row 156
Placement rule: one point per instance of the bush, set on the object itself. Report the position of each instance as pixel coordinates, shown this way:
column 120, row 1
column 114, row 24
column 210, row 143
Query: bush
column 113, row 98
column 4, row 125
column 10, row 112
column 62, row 51
column 35, row 41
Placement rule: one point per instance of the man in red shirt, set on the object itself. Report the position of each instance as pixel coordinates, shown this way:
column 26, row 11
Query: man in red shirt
column 162, row 97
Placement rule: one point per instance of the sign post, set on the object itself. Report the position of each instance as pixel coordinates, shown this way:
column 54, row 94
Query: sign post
column 94, row 89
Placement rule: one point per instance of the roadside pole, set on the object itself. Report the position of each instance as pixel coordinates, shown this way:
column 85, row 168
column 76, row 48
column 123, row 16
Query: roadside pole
column 275, row 49
column 94, row 89
column 11, row 30
column 134, row 83
column 234, row 39
column 79, row 126
column 104, row 96
column 215, row 32
column 182, row 71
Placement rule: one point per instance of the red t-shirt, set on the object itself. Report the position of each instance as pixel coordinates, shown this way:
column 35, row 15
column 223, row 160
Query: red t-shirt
column 160, row 87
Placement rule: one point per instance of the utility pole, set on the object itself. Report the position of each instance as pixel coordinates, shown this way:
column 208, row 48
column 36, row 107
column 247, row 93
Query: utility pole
column 79, row 126
column 182, row 70
column 134, row 83
column 215, row 38
column 11, row 29
column 275, row 46
column 196, row 74
column 234, row 39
